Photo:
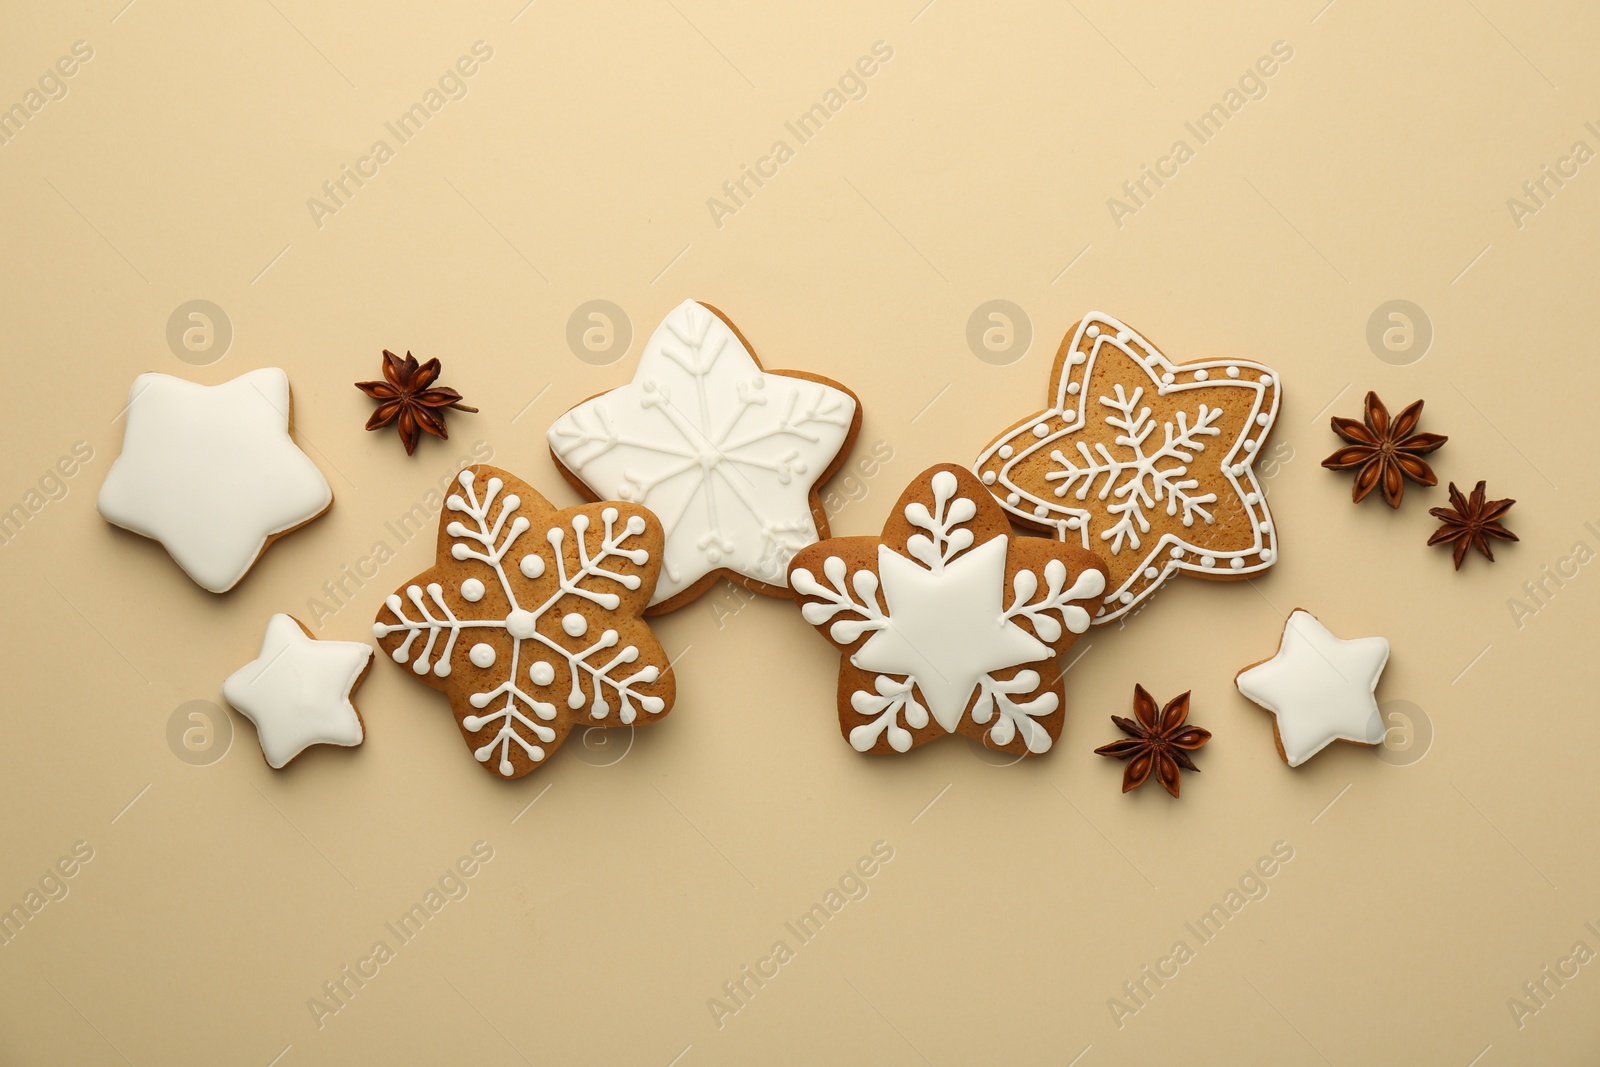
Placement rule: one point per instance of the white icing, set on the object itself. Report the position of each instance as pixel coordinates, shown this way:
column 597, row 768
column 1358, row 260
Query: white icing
column 211, row 472
column 585, row 677
column 1320, row 688
column 532, row 565
column 472, row 590
column 943, row 631
column 297, row 691
column 1138, row 467
column 724, row 452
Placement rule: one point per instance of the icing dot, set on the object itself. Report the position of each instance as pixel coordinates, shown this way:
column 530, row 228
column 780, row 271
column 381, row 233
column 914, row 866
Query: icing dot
column 1168, row 377
column 988, row 477
column 541, row 673
column 1151, row 572
column 1013, row 499
column 472, row 590
column 1208, row 561
column 1237, row 563
column 532, row 565
column 1074, row 522
column 1237, row 469
column 1041, row 510
column 1092, row 331
column 1262, row 419
column 1073, row 387
column 1201, row 375
column 1266, row 379
column 481, row 655
column 1233, row 372
column 1040, row 430
column 521, row 623
column 575, row 625
column 1252, row 498
column 1123, row 337
column 1126, row 598
column 1005, row 452
column 1176, row 553
column 1267, row 555
column 1249, row 446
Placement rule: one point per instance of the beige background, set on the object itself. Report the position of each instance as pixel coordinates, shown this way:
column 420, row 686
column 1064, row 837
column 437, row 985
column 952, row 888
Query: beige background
column 1423, row 892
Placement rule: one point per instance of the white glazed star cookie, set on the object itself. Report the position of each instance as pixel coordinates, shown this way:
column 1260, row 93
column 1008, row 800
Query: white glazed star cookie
column 211, row 472
column 297, row 691
column 1319, row 687
column 728, row 456
column 1145, row 462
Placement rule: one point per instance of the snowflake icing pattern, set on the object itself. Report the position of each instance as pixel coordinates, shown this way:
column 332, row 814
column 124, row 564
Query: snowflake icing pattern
column 522, row 629
column 727, row 454
column 1132, row 457
column 921, row 620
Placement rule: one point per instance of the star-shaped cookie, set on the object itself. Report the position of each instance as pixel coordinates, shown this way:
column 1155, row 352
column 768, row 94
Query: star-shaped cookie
column 211, row 472
column 529, row 620
column 1146, row 462
column 297, row 691
column 947, row 623
column 728, row 455
column 1319, row 687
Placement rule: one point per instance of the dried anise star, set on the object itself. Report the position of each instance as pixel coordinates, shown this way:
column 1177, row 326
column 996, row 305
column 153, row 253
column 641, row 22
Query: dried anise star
column 1384, row 450
column 1471, row 521
column 405, row 399
column 1157, row 741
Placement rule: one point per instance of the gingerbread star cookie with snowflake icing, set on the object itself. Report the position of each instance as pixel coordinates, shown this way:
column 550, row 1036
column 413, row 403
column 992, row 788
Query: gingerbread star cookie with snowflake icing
column 948, row 623
column 530, row 620
column 1146, row 462
column 729, row 455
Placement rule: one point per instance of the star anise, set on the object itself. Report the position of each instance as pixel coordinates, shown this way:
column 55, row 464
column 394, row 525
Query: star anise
column 1471, row 521
column 1157, row 741
column 1384, row 450
column 406, row 400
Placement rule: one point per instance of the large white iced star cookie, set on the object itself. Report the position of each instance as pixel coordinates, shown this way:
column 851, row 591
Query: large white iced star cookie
column 297, row 691
column 1319, row 687
column 947, row 623
column 211, row 472
column 728, row 456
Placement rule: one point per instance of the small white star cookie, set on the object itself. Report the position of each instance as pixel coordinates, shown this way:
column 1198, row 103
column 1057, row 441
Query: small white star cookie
column 1319, row 687
column 211, row 472
column 297, row 691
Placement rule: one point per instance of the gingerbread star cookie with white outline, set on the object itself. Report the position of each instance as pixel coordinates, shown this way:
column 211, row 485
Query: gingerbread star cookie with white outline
column 948, row 622
column 1146, row 462
column 729, row 455
column 531, row 620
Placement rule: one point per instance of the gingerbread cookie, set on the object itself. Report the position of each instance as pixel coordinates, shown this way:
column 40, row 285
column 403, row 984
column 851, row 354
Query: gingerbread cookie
column 1319, row 688
column 730, row 456
column 948, row 623
column 211, row 472
column 530, row 620
column 1146, row 462
column 298, row 691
